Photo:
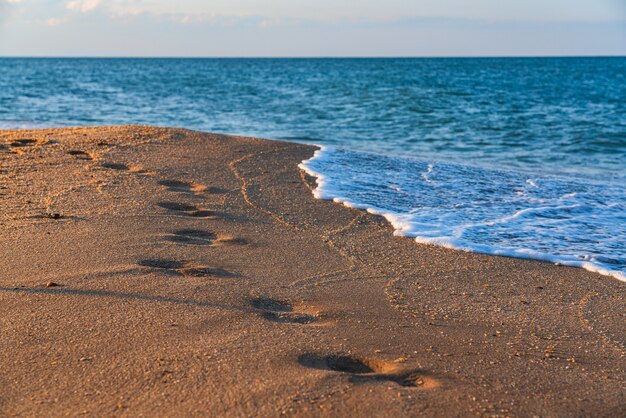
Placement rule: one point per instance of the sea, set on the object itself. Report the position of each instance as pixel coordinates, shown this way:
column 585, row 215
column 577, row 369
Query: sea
column 521, row 157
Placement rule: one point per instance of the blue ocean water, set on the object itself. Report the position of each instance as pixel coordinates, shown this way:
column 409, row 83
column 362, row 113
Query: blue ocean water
column 512, row 156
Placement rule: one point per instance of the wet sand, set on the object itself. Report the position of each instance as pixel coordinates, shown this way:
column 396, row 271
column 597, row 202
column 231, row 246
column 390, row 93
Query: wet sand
column 165, row 272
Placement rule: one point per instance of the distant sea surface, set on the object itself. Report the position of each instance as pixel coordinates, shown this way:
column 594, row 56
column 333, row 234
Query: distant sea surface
column 511, row 156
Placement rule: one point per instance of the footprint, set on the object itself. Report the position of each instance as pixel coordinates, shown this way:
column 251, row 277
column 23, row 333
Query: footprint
column 183, row 186
column 201, row 237
column 184, row 268
column 81, row 155
column 188, row 210
column 23, row 142
column 115, row 166
column 206, row 272
column 280, row 311
column 192, row 237
column 137, row 169
column 364, row 370
column 162, row 264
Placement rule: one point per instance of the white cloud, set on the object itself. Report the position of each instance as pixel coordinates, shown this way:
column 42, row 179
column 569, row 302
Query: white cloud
column 84, row 6
column 55, row 21
column 268, row 23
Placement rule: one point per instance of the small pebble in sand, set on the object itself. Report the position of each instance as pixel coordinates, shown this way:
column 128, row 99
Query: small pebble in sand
column 53, row 215
column 51, row 284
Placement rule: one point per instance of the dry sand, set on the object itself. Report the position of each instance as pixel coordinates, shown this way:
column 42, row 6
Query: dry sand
column 164, row 272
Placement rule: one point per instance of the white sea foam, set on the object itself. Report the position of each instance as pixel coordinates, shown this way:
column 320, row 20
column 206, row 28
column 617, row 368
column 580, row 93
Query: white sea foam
column 487, row 211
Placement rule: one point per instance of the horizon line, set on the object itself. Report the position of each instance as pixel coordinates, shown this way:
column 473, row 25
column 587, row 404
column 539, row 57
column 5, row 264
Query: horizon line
column 310, row 56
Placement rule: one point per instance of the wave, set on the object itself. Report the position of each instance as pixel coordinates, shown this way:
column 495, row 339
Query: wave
column 555, row 219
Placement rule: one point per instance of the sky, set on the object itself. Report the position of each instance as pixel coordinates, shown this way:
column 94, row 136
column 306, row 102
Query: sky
column 328, row 28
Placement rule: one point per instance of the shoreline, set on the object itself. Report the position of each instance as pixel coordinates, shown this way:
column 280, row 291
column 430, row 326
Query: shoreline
column 394, row 218
column 219, row 285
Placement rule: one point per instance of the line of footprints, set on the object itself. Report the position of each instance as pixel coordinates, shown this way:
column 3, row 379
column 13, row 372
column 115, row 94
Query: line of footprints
column 359, row 369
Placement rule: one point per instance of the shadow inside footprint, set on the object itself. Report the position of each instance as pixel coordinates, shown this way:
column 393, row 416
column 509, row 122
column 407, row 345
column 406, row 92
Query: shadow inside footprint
column 192, row 237
column 280, row 311
column 177, row 207
column 162, row 264
column 201, row 214
column 80, row 154
column 367, row 370
column 23, row 142
column 179, row 186
column 207, row 272
column 407, row 380
column 187, row 209
column 337, row 363
column 115, row 166
column 176, row 185
column 267, row 304
column 183, row 268
column 288, row 317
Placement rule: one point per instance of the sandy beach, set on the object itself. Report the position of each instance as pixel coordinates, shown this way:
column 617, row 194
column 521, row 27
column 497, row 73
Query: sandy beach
column 164, row 272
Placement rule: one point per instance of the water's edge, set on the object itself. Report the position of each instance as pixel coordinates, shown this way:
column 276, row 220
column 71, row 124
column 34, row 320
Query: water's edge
column 322, row 192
